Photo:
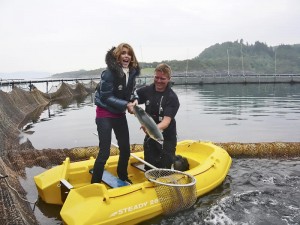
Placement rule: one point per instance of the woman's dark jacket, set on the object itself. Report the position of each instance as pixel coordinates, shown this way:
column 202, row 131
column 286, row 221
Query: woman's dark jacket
column 112, row 92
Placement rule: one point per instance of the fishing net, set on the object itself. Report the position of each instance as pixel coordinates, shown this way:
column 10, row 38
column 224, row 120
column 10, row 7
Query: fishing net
column 262, row 150
column 176, row 190
column 17, row 108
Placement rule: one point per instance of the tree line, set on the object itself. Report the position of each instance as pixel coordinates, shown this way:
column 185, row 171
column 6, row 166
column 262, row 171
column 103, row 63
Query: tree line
column 228, row 58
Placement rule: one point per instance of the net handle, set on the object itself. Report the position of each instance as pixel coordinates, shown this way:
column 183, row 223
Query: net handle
column 138, row 158
column 133, row 155
column 143, row 161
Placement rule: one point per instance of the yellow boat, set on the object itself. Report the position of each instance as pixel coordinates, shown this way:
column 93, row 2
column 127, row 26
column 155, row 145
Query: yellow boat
column 85, row 203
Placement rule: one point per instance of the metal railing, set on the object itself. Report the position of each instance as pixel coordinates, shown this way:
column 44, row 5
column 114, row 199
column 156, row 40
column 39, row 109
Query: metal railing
column 13, row 82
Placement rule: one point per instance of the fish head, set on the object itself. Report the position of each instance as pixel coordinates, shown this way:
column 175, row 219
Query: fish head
column 137, row 108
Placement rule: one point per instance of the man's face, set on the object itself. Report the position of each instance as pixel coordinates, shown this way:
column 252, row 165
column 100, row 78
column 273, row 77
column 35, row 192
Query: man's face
column 161, row 81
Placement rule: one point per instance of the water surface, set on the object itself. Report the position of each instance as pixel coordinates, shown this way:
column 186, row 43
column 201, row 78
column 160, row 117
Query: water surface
column 218, row 113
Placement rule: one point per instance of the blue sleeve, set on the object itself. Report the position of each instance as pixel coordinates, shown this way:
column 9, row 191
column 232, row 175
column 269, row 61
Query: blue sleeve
column 106, row 91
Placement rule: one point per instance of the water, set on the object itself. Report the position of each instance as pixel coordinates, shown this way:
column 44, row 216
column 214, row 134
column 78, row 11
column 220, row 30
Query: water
column 218, row 113
column 256, row 191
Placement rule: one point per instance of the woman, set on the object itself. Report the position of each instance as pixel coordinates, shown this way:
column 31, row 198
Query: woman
column 115, row 93
column 162, row 104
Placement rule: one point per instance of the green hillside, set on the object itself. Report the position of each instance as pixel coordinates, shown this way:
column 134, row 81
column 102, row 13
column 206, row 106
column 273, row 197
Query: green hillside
column 239, row 58
column 233, row 58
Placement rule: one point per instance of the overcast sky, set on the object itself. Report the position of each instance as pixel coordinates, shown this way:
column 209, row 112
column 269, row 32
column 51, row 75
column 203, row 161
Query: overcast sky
column 66, row 35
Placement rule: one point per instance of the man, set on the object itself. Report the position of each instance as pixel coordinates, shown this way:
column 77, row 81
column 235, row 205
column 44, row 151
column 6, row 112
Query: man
column 162, row 104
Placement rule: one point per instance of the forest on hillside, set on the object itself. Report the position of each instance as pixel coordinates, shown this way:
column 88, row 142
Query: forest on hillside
column 228, row 58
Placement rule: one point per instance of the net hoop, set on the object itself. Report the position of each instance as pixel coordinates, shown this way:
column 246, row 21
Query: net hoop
column 153, row 174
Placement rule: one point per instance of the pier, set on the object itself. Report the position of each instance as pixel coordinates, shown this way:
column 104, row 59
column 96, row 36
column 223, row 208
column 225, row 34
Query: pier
column 177, row 79
column 227, row 79
column 13, row 82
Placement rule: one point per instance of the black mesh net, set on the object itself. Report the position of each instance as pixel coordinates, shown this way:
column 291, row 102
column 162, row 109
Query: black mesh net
column 17, row 108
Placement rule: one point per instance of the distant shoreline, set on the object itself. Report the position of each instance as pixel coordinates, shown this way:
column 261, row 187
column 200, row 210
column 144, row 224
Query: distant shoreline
column 235, row 79
column 176, row 79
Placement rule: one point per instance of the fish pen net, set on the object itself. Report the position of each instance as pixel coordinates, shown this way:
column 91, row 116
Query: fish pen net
column 175, row 190
column 18, row 108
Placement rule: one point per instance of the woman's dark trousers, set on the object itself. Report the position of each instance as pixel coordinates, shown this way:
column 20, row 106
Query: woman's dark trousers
column 104, row 128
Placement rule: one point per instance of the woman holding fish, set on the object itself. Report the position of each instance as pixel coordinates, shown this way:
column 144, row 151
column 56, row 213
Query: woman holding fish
column 114, row 95
column 162, row 104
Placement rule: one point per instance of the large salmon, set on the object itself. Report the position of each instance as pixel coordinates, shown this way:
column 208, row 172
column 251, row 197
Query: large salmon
column 148, row 123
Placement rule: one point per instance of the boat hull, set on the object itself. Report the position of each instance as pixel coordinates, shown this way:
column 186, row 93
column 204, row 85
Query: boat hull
column 98, row 204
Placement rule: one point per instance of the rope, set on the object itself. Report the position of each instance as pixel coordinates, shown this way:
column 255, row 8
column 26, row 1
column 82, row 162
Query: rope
column 18, row 194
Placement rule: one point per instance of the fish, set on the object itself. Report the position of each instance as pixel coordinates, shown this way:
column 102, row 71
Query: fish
column 148, row 123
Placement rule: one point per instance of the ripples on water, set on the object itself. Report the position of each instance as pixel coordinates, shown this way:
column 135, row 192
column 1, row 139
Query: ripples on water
column 218, row 113
column 240, row 113
column 256, row 191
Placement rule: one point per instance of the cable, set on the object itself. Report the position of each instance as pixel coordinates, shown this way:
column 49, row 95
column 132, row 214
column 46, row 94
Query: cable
column 34, row 203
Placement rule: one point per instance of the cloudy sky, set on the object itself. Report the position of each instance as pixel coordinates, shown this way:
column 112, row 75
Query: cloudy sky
column 66, row 35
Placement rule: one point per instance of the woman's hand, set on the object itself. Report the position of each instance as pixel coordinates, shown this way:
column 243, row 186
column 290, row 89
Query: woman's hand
column 130, row 106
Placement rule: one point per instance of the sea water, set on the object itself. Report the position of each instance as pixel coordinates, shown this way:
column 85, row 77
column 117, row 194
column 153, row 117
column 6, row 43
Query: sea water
column 217, row 113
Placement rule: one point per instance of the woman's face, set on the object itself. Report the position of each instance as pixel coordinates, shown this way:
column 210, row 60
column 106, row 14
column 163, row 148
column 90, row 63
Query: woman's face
column 125, row 58
column 161, row 81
